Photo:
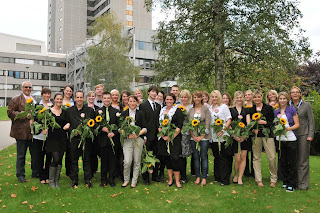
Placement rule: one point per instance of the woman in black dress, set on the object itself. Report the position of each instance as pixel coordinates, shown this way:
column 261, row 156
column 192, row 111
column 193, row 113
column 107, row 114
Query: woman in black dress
column 57, row 141
column 173, row 161
column 238, row 112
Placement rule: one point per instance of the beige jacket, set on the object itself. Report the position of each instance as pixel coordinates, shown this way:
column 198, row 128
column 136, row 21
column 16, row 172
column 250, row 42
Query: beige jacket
column 205, row 118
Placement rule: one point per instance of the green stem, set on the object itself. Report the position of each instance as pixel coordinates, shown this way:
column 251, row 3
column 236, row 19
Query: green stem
column 219, row 144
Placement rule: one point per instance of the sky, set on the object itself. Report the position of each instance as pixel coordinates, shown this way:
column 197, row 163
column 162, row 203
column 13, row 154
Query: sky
column 28, row 18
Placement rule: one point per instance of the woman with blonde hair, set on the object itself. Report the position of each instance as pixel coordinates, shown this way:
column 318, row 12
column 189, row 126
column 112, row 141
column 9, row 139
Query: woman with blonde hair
column 221, row 157
column 305, row 134
column 115, row 95
column 248, row 95
column 138, row 93
column 272, row 98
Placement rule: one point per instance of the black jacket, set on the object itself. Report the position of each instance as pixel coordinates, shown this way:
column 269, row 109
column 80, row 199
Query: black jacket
column 151, row 118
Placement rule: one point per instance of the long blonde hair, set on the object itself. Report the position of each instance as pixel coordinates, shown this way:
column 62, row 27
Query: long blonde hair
column 217, row 92
column 237, row 94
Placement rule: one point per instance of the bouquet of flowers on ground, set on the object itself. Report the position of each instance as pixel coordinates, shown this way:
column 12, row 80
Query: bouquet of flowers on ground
column 254, row 124
column 239, row 129
column 44, row 120
column 84, row 129
column 217, row 126
column 279, row 129
column 126, row 128
column 148, row 161
column 29, row 112
column 102, row 122
column 167, row 129
column 195, row 127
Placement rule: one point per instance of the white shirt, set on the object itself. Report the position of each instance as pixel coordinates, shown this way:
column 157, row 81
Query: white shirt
column 151, row 103
column 224, row 114
column 290, row 134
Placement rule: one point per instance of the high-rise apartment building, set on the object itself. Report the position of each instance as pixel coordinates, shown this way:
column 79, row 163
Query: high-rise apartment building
column 70, row 20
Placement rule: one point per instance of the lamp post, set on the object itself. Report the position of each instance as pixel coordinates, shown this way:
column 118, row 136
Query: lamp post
column 5, row 89
column 134, row 51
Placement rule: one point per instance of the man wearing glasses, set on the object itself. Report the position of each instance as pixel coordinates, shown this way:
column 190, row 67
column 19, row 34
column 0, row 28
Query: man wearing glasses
column 20, row 130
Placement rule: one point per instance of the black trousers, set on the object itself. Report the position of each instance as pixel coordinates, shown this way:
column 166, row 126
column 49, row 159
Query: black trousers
column 36, row 151
column 94, row 156
column 75, row 153
column 44, row 163
column 183, row 171
column 119, row 160
column 153, row 146
column 108, row 163
column 288, row 160
column 222, row 163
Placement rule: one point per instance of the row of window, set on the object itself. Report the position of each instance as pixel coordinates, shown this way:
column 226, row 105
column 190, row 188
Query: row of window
column 32, row 62
column 34, row 75
column 148, row 46
column 96, row 11
column 34, row 87
column 144, row 63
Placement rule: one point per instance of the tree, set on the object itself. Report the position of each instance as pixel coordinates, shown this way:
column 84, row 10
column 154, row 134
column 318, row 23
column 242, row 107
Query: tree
column 207, row 36
column 107, row 59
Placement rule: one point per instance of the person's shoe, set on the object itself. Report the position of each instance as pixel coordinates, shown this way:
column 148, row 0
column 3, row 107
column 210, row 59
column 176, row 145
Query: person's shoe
column 133, row 185
column 156, row 179
column 74, row 184
column 290, row 189
column 170, row 184
column 284, row 186
column 88, row 184
column 103, row 184
column 21, row 179
column 147, row 182
column 57, row 176
column 260, row 184
column 112, row 184
column 272, row 185
column 184, row 181
column 124, row 185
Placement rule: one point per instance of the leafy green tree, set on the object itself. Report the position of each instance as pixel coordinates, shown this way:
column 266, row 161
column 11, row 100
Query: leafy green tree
column 216, row 42
column 108, row 59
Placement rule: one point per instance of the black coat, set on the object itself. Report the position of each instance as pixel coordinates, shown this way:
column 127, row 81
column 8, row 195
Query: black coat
column 267, row 112
column 151, row 118
column 103, row 138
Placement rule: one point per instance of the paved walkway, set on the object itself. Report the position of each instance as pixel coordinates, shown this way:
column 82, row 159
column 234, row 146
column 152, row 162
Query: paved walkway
column 5, row 139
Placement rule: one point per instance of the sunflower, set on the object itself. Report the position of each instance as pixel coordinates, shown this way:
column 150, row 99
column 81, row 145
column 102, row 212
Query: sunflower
column 283, row 121
column 29, row 100
column 41, row 111
column 218, row 122
column 276, row 106
column 165, row 122
column 248, row 106
column 98, row 119
column 241, row 125
column 256, row 116
column 194, row 122
column 68, row 104
column 131, row 119
column 182, row 108
column 125, row 108
column 90, row 123
column 149, row 165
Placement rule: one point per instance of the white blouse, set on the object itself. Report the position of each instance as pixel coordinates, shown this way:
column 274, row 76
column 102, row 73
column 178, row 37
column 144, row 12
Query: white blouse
column 224, row 114
column 290, row 134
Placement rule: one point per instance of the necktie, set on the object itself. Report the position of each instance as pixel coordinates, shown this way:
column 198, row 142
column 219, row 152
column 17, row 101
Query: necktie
column 107, row 115
column 154, row 106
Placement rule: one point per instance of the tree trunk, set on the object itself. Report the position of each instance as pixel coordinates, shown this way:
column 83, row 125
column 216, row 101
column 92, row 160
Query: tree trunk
column 219, row 48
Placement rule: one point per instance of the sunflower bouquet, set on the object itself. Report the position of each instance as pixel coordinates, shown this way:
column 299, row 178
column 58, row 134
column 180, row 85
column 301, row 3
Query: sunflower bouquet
column 217, row 126
column 279, row 128
column 102, row 122
column 196, row 127
column 167, row 129
column 127, row 128
column 254, row 124
column 30, row 111
column 239, row 129
column 148, row 161
column 66, row 106
column 84, row 130
column 183, row 110
column 44, row 120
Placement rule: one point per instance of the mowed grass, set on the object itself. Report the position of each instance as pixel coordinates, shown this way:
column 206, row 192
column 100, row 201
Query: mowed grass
column 34, row 197
column 3, row 114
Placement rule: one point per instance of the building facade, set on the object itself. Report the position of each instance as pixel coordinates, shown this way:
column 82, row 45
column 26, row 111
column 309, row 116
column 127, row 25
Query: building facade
column 23, row 59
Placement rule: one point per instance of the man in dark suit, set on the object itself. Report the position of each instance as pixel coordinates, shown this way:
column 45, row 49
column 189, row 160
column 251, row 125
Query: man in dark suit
column 20, row 130
column 108, row 156
column 75, row 115
column 151, row 111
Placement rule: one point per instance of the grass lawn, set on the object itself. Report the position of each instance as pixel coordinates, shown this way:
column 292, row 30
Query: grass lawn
column 34, row 197
column 3, row 114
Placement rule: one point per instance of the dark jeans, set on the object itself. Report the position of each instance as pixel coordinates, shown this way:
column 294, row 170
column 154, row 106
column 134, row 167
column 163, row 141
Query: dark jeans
column 44, row 158
column 75, row 153
column 288, row 160
column 56, row 158
column 204, row 145
column 22, row 146
column 222, row 163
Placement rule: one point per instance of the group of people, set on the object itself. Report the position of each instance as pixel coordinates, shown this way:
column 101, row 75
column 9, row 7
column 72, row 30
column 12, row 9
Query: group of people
column 124, row 160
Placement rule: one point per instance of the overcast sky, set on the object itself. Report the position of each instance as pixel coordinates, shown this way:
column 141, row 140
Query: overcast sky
column 28, row 18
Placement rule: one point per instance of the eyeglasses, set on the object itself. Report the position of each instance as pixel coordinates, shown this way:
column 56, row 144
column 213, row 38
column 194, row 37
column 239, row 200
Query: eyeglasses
column 295, row 92
column 27, row 87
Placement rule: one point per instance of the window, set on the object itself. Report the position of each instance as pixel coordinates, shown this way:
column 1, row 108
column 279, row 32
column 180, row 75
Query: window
column 129, row 2
column 17, row 87
column 129, row 12
column 45, row 76
column 60, row 19
column 141, row 45
column 35, row 75
column 31, row 75
column 21, row 74
column 129, row 23
column 17, row 74
column 39, row 75
column 26, row 75
column 2, row 72
column 10, row 73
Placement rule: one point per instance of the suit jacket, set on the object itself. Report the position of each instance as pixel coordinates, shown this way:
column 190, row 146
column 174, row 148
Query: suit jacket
column 306, row 120
column 20, row 128
column 205, row 118
column 103, row 138
column 152, row 119
column 139, row 119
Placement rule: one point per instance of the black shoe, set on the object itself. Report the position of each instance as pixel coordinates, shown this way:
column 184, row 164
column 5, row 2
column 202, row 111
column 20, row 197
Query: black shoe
column 184, row 181
column 88, row 184
column 170, row 184
column 124, row 186
column 21, row 179
column 35, row 176
column 73, row 184
column 112, row 184
column 103, row 184
column 156, row 180
column 147, row 182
